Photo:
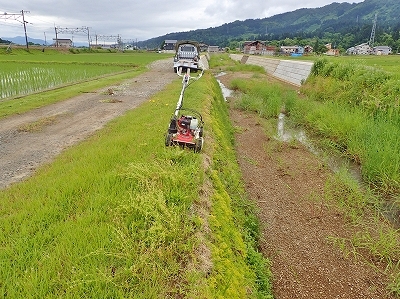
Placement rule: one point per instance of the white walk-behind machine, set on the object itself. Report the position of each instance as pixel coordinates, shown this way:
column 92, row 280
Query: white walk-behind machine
column 186, row 125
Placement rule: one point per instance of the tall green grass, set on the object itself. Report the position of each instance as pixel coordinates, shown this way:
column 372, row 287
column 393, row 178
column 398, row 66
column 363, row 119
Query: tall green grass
column 361, row 113
column 268, row 100
column 118, row 215
column 355, row 107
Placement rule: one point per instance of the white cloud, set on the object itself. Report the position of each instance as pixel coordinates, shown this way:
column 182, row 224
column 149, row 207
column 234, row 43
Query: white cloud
column 139, row 20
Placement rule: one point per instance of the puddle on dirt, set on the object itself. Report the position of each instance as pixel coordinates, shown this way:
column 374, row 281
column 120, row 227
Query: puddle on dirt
column 391, row 210
column 287, row 134
column 226, row 92
column 335, row 163
column 389, row 207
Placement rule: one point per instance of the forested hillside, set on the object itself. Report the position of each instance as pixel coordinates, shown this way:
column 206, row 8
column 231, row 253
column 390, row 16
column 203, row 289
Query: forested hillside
column 342, row 24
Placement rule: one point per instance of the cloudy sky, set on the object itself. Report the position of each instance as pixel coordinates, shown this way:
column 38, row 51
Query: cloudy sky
column 134, row 19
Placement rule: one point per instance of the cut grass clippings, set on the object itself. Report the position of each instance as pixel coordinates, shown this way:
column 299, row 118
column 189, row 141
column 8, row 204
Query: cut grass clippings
column 115, row 216
column 237, row 263
column 38, row 125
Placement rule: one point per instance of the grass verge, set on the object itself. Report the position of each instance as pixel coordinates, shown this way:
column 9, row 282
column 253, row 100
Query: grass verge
column 240, row 271
column 117, row 216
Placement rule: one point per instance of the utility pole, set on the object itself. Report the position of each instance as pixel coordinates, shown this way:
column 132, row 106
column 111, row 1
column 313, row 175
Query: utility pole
column 26, row 36
column 16, row 16
column 372, row 38
column 55, row 29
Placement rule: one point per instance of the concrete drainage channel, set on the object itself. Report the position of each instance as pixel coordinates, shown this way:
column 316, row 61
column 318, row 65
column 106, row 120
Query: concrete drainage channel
column 291, row 71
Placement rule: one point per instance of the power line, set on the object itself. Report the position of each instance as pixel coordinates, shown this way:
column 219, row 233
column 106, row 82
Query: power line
column 60, row 30
column 113, row 38
column 17, row 17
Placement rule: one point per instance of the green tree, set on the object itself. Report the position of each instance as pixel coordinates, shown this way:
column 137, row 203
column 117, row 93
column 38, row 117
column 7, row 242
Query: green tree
column 319, row 47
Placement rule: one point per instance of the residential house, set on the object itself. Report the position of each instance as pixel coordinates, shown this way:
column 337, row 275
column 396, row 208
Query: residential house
column 270, row 50
column 203, row 47
column 362, row 49
column 169, row 44
column 330, row 51
column 292, row 50
column 254, row 48
column 213, row 49
column 308, row 49
column 333, row 52
column 382, row 50
column 63, row 42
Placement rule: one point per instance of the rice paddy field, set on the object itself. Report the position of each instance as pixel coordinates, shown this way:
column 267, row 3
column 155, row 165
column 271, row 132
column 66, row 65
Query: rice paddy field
column 33, row 79
column 18, row 78
column 23, row 72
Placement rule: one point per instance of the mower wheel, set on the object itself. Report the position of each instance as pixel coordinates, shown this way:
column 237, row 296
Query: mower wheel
column 199, row 145
column 168, row 139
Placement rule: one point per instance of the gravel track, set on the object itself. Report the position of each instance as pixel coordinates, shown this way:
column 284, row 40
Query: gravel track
column 71, row 121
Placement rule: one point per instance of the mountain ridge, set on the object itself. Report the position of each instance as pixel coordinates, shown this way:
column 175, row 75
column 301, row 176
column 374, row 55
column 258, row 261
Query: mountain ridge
column 334, row 17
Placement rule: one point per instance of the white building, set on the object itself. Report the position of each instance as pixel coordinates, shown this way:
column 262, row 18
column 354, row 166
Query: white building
column 382, row 50
column 62, row 42
column 363, row 49
column 213, row 49
column 292, row 50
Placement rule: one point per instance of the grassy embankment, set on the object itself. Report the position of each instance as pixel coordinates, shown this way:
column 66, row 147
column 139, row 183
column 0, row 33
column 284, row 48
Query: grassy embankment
column 34, row 79
column 352, row 109
column 122, row 216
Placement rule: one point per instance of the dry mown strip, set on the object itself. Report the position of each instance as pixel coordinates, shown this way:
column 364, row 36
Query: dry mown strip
column 287, row 183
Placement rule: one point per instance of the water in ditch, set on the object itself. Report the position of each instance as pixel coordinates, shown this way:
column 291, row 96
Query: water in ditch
column 286, row 133
column 335, row 163
column 226, row 92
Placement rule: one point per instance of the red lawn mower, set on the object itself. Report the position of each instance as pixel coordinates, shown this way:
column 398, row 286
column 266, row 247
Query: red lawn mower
column 185, row 129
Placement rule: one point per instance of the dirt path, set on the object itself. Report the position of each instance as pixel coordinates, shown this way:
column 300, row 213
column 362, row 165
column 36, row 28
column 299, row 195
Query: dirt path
column 68, row 122
column 287, row 182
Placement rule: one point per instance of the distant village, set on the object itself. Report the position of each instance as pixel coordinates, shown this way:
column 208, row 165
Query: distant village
column 261, row 48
